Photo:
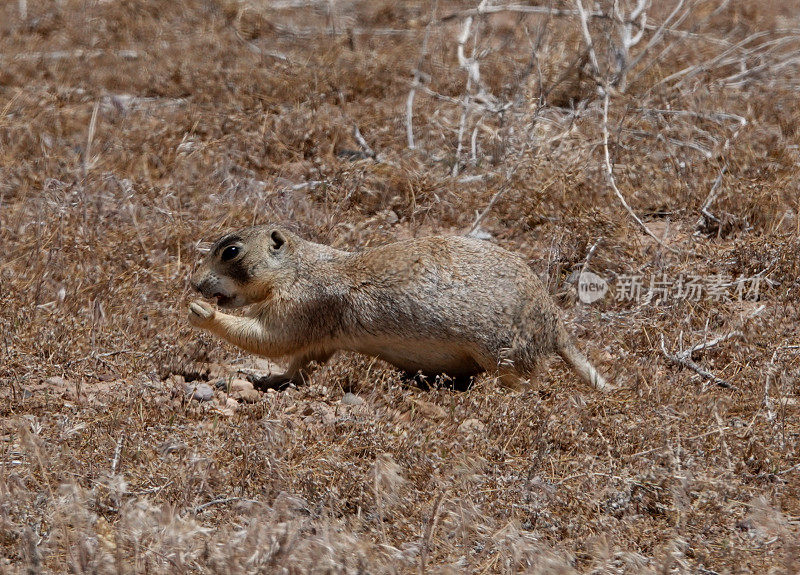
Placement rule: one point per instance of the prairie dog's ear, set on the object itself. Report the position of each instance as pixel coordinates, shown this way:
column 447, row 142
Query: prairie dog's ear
column 276, row 240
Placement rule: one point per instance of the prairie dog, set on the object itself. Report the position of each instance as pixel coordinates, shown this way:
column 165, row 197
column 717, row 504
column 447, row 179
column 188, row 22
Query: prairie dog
column 435, row 305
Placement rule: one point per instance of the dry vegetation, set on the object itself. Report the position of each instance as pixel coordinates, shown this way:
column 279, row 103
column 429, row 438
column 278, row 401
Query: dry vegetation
column 132, row 129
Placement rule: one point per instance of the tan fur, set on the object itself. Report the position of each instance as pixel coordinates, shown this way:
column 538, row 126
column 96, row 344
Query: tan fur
column 432, row 305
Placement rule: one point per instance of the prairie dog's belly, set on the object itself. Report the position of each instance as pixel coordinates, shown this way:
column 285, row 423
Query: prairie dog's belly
column 431, row 357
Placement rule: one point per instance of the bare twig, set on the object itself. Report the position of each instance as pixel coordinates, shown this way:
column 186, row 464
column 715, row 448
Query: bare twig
column 587, row 37
column 462, row 125
column 258, row 50
column 474, row 144
column 66, row 54
column 684, row 359
column 709, row 344
column 417, row 81
column 87, row 154
column 362, row 142
column 721, row 427
column 695, row 69
column 479, row 218
column 117, row 453
column 628, row 38
column 717, row 117
column 294, row 4
column 152, row 490
column 471, row 66
column 658, row 35
column 221, row 501
column 692, row 438
column 590, row 254
column 520, row 9
column 767, row 381
column 712, row 195
column 612, row 182
column 430, row 527
column 682, row 35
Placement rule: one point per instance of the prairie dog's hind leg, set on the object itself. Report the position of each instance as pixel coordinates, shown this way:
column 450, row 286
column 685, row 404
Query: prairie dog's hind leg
column 507, row 372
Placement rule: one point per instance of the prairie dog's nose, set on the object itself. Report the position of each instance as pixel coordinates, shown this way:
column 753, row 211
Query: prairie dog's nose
column 200, row 283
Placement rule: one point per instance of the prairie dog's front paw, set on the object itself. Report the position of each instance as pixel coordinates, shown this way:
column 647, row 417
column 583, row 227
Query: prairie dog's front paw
column 201, row 313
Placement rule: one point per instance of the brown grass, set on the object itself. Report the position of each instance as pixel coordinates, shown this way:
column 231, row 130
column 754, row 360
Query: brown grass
column 213, row 114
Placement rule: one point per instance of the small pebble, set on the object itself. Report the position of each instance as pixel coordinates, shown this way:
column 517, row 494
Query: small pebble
column 428, row 409
column 241, row 385
column 471, row 426
column 247, row 395
column 56, row 381
column 200, row 391
column 351, row 399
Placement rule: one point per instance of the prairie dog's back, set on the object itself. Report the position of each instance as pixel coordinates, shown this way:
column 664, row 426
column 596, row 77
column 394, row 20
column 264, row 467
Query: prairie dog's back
column 452, row 289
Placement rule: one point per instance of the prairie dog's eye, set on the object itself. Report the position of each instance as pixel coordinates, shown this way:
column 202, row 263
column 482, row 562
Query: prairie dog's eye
column 229, row 253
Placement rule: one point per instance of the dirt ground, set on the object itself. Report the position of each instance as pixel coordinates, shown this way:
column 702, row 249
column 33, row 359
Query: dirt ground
column 134, row 131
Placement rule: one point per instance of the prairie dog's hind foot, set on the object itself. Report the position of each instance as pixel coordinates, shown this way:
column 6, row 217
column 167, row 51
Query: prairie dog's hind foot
column 276, row 381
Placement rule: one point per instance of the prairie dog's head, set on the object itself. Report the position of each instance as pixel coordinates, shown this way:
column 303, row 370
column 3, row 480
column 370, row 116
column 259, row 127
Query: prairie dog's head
column 247, row 266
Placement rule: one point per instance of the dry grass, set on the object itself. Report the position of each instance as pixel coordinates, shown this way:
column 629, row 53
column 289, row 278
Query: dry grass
column 210, row 114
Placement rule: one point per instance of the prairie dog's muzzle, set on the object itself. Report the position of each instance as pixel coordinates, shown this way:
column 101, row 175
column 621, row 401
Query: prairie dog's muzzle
column 213, row 287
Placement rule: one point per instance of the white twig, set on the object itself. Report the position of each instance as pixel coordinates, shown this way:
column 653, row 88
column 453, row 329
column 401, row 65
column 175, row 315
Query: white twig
column 332, row 16
column 693, row 70
column 721, row 427
column 462, row 124
column 612, row 182
column 590, row 254
column 293, row 4
column 474, row 145
column 767, row 381
column 152, row 489
column 656, row 38
column 717, row 117
column 471, row 66
column 117, row 453
column 430, row 527
column 257, row 50
column 628, row 38
column 23, row 9
column 220, row 501
column 65, row 54
column 520, row 9
column 709, row 344
column 362, row 142
column 684, row 359
column 712, row 195
column 417, row 81
column 479, row 218
column 410, row 110
column 587, row 37
column 87, row 155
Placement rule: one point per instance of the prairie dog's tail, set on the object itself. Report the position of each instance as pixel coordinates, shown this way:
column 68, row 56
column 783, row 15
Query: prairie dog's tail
column 582, row 366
